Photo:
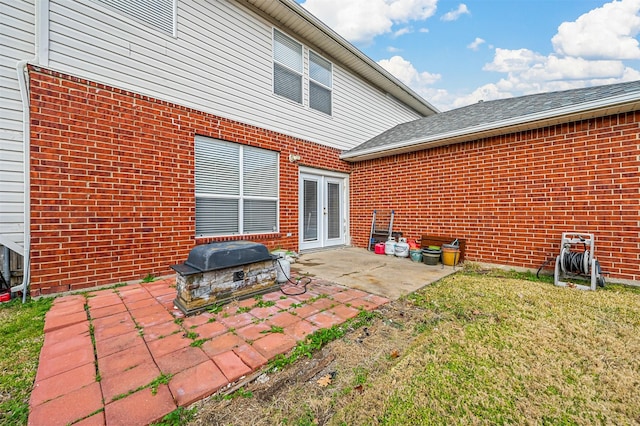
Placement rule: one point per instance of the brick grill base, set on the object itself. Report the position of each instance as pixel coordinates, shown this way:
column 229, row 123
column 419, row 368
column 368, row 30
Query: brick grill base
column 198, row 292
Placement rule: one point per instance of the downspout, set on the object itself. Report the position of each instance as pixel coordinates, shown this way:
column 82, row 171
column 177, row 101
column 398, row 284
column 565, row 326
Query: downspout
column 41, row 42
column 26, row 129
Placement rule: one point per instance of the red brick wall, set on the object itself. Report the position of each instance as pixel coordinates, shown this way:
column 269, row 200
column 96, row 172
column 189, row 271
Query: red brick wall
column 511, row 197
column 112, row 182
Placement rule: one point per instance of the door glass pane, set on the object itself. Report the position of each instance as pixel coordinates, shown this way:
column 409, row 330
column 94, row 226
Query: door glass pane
column 310, row 211
column 333, row 210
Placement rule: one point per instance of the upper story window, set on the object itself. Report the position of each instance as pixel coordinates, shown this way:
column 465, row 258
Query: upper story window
column 287, row 67
column 289, row 74
column 319, row 83
column 158, row 14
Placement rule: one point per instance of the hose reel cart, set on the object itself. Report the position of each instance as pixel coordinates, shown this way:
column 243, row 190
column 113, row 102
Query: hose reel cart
column 576, row 260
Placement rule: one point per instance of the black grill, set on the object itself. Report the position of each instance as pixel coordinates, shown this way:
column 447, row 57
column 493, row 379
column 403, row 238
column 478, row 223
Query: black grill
column 214, row 256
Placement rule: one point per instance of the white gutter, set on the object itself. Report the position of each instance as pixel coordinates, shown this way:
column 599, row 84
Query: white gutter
column 461, row 135
column 41, row 35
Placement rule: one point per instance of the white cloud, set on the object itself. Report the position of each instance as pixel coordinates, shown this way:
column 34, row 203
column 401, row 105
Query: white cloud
column 475, row 44
column 392, row 49
column 506, row 60
column 587, row 52
column 555, row 68
column 607, row 32
column 455, row 14
column 529, row 72
column 487, row 92
column 346, row 17
column 402, row 31
column 423, row 30
column 404, row 71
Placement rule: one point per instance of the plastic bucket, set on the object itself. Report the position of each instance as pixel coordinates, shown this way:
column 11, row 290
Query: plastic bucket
column 416, row 255
column 430, row 257
column 450, row 255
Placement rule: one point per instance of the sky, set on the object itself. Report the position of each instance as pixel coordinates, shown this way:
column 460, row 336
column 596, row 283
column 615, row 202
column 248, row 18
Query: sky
column 455, row 53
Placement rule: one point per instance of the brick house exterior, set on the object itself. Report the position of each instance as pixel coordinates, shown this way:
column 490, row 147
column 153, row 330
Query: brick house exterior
column 99, row 152
column 511, row 197
column 112, row 187
column 112, row 182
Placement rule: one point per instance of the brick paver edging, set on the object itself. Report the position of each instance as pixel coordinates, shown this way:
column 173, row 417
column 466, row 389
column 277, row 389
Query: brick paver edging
column 127, row 356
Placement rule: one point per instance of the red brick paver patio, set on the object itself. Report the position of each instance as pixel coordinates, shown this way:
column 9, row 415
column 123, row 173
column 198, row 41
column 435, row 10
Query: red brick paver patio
column 126, row 356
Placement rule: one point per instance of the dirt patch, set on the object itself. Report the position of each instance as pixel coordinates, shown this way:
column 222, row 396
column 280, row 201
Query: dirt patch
column 294, row 396
column 469, row 349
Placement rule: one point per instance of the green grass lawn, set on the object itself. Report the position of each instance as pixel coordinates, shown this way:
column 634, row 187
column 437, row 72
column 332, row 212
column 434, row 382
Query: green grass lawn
column 498, row 350
column 21, row 338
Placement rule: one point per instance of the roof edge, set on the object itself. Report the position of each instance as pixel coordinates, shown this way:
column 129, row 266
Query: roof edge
column 611, row 105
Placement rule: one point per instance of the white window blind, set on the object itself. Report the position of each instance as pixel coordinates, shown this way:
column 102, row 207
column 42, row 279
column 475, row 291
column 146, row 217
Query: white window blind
column 236, row 188
column 287, row 67
column 333, row 208
column 158, row 14
column 320, row 83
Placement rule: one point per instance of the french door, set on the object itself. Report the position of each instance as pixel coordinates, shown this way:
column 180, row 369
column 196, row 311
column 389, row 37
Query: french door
column 323, row 210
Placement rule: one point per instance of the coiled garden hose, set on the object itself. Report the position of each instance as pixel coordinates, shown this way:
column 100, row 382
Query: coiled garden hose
column 295, row 283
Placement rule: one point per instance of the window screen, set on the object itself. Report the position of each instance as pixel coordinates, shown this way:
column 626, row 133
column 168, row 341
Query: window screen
column 236, row 188
column 287, row 67
column 320, row 83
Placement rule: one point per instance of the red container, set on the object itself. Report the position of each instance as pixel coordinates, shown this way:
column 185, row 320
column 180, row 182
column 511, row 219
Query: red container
column 379, row 248
column 5, row 297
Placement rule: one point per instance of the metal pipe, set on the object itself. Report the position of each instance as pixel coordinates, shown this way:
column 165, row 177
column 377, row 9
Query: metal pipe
column 41, row 48
column 6, row 266
column 26, row 129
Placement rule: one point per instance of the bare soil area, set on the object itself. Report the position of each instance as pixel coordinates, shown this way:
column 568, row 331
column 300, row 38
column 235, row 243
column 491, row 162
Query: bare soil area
column 474, row 348
column 301, row 394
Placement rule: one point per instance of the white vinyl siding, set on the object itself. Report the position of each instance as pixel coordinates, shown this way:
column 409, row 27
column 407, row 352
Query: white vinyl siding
column 157, row 14
column 221, row 62
column 320, row 83
column 17, row 32
column 236, row 188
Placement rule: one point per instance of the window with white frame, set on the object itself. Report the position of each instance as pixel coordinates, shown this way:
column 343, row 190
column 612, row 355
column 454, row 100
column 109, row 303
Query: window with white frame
column 287, row 67
column 289, row 74
column 236, row 188
column 320, row 83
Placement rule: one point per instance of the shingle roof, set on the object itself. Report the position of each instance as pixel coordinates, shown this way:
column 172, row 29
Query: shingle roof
column 468, row 122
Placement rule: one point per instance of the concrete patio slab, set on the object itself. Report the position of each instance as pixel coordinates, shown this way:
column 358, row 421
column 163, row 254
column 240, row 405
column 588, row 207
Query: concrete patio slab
column 388, row 276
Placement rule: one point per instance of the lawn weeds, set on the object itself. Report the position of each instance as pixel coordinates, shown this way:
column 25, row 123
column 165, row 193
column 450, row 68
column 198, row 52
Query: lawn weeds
column 21, row 339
